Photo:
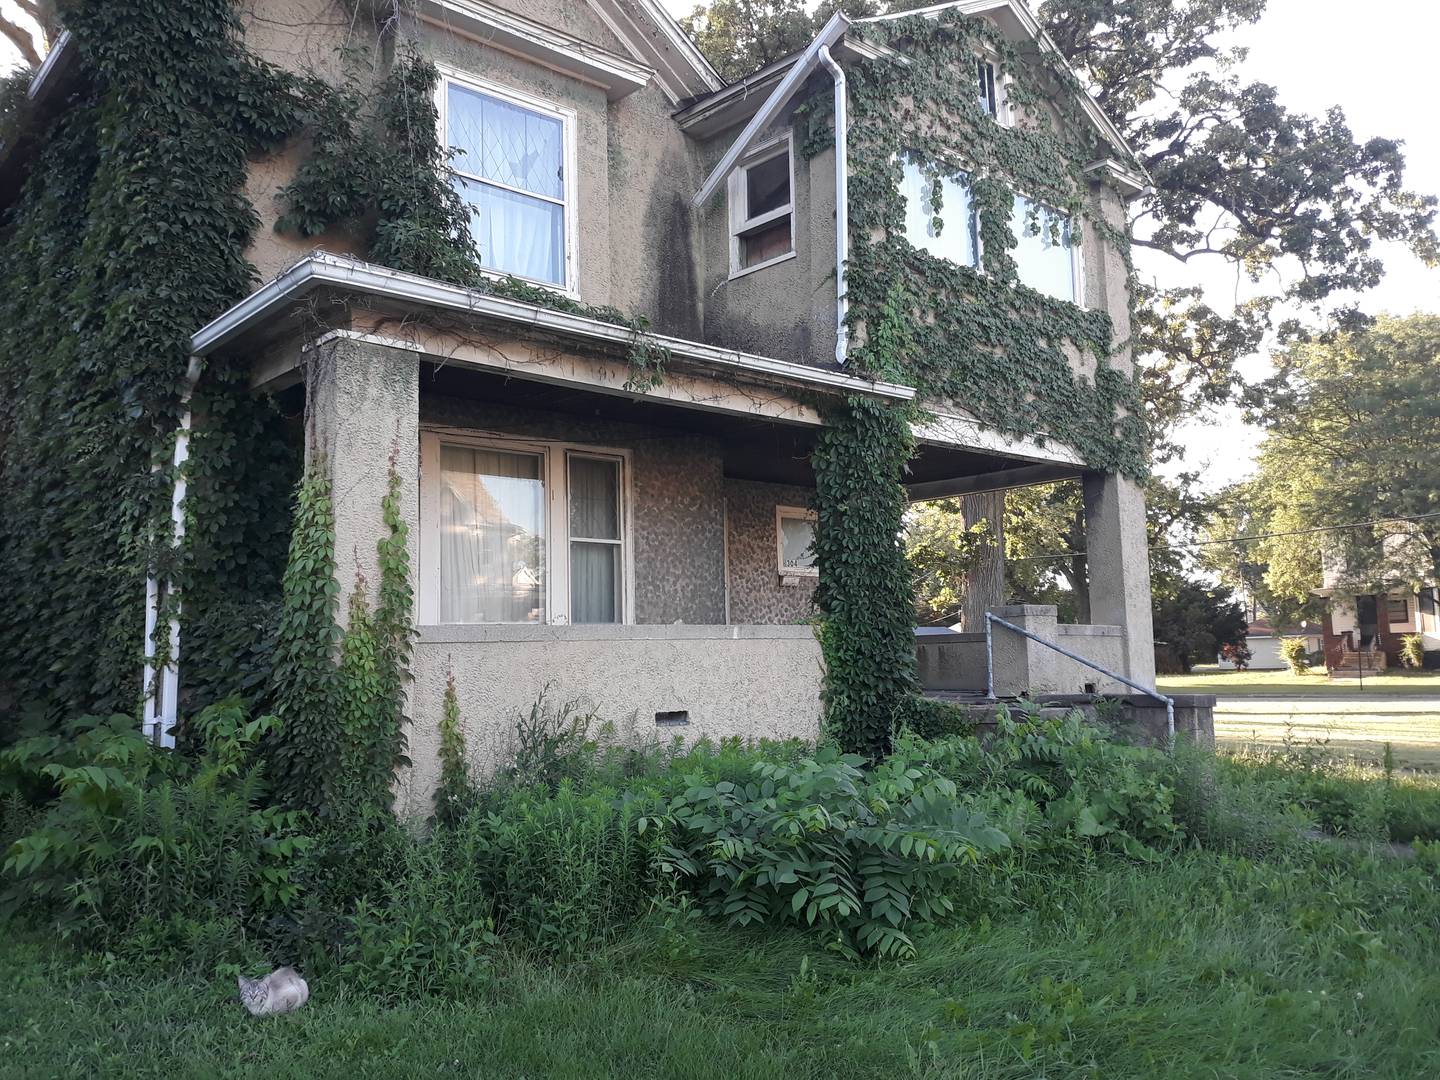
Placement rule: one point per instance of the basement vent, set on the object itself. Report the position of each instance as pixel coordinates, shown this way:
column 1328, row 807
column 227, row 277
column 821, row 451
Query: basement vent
column 1089, row 688
column 677, row 718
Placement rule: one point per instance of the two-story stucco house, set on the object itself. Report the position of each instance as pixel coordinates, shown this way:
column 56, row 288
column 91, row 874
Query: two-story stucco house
column 647, row 548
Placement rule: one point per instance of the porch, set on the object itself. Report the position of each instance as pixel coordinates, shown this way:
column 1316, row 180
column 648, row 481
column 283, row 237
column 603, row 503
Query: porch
column 642, row 549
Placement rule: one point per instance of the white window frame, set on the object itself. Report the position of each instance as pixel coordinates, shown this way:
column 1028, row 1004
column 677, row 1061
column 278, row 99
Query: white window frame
column 1003, row 115
column 794, row 513
column 570, row 205
column 555, row 472
column 740, row 219
column 973, row 223
column 1077, row 261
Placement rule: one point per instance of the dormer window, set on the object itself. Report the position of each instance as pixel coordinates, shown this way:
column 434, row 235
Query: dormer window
column 762, row 219
column 512, row 162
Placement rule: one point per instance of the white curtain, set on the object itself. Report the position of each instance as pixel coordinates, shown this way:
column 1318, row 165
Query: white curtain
column 595, row 549
column 522, row 149
column 797, row 540
column 492, row 536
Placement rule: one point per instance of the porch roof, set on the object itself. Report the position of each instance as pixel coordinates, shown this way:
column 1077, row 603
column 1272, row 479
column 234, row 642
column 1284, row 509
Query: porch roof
column 257, row 317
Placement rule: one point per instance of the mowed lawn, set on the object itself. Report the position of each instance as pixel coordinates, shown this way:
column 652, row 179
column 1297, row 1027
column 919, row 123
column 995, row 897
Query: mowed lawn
column 1271, row 708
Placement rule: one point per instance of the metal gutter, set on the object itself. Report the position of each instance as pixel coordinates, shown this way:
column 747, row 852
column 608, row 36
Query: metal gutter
column 808, row 61
column 56, row 61
column 322, row 269
column 842, row 202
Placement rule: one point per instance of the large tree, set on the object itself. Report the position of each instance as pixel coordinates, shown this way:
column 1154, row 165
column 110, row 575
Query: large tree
column 1352, row 435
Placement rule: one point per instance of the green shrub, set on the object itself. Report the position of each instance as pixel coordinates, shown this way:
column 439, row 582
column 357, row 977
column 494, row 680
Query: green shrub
column 564, row 869
column 428, row 928
column 145, row 849
column 1083, row 789
column 864, row 855
column 932, row 719
column 456, row 790
column 1292, row 651
column 1412, row 651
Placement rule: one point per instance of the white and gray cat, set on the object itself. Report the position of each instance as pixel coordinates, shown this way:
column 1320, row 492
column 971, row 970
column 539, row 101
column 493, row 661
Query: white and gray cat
column 282, row 991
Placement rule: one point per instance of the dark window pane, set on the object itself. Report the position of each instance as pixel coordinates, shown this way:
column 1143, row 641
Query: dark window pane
column 765, row 243
column 986, row 71
column 767, row 185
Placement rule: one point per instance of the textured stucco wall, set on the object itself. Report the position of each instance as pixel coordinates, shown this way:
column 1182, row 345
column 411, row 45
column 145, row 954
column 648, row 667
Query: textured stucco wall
column 362, row 418
column 756, row 592
column 786, row 310
column 637, row 247
column 752, row 682
column 677, row 508
column 1119, row 567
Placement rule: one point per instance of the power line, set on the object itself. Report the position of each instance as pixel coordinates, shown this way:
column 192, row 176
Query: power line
column 1244, row 539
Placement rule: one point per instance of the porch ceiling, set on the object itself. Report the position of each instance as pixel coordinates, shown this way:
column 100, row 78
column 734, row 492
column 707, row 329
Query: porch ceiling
column 754, row 448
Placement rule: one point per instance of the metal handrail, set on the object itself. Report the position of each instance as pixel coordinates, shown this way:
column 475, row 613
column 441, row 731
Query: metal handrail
column 990, row 620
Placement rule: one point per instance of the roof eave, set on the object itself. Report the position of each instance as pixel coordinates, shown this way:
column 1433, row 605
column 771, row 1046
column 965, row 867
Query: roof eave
column 322, row 269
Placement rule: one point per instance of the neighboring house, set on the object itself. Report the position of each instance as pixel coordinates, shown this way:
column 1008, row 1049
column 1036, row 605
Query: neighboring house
column 1363, row 630
column 645, row 548
column 1263, row 640
column 1368, row 612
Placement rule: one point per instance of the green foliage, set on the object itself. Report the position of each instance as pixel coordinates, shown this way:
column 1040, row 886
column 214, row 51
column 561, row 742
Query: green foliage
column 129, row 233
column 1295, row 655
column 149, row 853
column 1058, row 784
column 1412, row 651
column 942, row 549
column 1352, row 434
column 980, row 338
column 428, row 929
column 865, row 857
column 931, row 719
column 455, row 792
column 1194, row 620
column 304, row 754
column 864, row 592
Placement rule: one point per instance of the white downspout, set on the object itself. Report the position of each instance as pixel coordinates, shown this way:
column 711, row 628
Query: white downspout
column 161, row 701
column 842, row 203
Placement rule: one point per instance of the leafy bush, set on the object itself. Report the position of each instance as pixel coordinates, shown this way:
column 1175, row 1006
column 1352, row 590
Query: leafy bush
column 865, row 855
column 147, row 848
column 456, row 790
column 564, row 869
column 1412, row 651
column 1292, row 651
column 1062, row 783
column 932, row 719
column 429, row 927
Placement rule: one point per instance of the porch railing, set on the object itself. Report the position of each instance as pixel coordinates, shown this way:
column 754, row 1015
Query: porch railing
column 992, row 620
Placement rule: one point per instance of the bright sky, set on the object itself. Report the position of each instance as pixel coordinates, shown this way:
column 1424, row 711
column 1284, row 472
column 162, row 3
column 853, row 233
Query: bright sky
column 1378, row 64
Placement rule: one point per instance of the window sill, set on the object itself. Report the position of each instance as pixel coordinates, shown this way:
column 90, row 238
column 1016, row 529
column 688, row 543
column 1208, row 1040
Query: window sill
column 762, row 265
column 462, row 633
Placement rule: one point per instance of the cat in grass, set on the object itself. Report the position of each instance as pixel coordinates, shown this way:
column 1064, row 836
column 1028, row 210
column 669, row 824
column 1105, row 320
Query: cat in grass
column 282, row 991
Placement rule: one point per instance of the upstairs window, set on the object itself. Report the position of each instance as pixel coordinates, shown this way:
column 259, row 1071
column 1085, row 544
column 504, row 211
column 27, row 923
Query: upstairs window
column 1046, row 257
column 762, row 219
column 511, row 160
column 989, row 92
column 952, row 232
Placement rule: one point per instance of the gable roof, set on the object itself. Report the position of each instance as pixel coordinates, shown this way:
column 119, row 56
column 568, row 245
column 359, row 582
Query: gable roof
column 1013, row 17
column 653, row 37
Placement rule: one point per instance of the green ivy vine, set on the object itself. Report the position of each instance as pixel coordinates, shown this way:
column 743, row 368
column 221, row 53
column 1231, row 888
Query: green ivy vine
column 975, row 336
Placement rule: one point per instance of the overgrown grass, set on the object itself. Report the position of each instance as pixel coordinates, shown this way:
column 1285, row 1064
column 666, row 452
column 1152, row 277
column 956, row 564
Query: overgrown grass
column 1320, row 962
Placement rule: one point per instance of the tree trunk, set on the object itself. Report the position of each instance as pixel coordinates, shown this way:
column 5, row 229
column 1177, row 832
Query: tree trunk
column 985, row 581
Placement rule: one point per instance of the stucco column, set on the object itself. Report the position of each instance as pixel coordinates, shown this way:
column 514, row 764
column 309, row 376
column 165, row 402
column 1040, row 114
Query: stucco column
column 1118, row 560
column 362, row 417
